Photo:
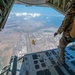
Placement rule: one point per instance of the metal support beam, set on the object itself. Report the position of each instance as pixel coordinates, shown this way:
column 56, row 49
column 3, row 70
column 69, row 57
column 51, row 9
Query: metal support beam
column 6, row 14
column 14, row 69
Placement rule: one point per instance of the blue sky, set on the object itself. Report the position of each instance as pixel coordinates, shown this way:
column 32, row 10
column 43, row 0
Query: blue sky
column 34, row 9
column 41, row 15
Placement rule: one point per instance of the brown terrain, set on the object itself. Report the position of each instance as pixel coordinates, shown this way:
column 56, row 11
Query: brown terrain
column 7, row 43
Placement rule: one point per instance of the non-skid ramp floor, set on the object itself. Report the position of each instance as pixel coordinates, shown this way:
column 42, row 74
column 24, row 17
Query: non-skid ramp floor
column 46, row 63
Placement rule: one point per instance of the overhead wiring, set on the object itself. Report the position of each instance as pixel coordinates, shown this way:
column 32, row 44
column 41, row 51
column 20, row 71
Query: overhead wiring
column 30, row 3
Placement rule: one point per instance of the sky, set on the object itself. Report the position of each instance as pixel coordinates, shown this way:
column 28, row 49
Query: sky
column 33, row 12
column 34, row 9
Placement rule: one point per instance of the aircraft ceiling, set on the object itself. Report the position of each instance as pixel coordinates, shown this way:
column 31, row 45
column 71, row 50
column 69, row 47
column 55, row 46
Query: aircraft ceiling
column 31, row 2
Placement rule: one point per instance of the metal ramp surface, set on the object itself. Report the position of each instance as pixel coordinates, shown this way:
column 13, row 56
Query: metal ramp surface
column 46, row 63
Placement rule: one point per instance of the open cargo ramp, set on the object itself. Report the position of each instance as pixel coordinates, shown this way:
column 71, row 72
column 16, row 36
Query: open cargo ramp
column 46, row 63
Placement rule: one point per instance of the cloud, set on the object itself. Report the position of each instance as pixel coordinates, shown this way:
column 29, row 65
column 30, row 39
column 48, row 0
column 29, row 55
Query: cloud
column 25, row 14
